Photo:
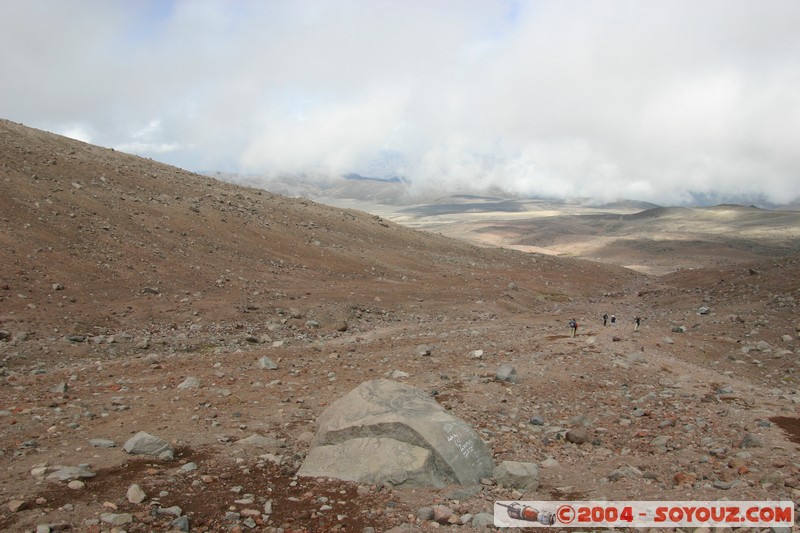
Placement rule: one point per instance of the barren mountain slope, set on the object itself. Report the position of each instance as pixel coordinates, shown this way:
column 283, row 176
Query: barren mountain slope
column 95, row 241
column 120, row 278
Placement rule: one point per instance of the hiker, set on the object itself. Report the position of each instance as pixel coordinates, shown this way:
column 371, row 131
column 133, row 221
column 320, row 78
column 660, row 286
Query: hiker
column 613, row 320
column 636, row 322
column 573, row 328
column 605, row 319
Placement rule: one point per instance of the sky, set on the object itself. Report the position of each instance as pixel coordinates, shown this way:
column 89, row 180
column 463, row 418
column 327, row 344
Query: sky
column 661, row 101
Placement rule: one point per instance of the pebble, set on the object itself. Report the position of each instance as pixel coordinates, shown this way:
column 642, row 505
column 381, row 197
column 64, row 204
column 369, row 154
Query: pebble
column 17, row 505
column 190, row 382
column 174, row 511
column 116, row 519
column 181, row 523
column 577, row 435
column 102, row 443
column 145, row 444
column 71, row 472
column 425, row 513
column 751, row 441
column 265, row 363
column 483, row 520
column 135, row 494
column 442, row 514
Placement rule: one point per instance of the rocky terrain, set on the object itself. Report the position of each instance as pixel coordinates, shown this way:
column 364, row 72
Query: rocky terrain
column 137, row 297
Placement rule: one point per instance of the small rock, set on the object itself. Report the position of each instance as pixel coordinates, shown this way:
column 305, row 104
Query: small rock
column 265, row 363
column 259, row 441
column 145, row 444
column 60, row 388
column 537, row 420
column 143, row 344
column 685, row 478
column 483, row 520
column 577, row 435
column 171, row 511
column 424, row 349
column 76, row 484
column 135, row 494
column 517, row 475
column 71, row 472
column 190, row 382
column 442, row 514
column 116, row 519
column 506, row 373
column 751, row 441
column 102, row 443
column 775, row 477
column 181, row 523
column 660, row 443
column 425, row 513
column 17, row 505
column 625, row 471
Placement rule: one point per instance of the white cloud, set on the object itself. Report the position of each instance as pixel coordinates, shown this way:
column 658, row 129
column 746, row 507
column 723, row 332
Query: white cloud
column 655, row 100
column 145, row 148
column 74, row 131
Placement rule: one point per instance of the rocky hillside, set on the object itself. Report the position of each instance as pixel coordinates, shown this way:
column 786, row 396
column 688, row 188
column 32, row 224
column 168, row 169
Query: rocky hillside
column 137, row 297
column 98, row 243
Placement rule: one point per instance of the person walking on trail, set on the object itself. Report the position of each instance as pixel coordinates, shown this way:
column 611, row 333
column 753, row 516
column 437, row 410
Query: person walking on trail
column 605, row 319
column 613, row 320
column 636, row 322
column 573, row 328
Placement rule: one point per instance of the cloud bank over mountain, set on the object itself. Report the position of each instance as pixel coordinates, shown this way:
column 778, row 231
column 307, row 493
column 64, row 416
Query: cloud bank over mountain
column 663, row 102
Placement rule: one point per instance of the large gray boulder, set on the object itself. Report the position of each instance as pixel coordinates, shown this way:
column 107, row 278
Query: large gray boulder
column 387, row 432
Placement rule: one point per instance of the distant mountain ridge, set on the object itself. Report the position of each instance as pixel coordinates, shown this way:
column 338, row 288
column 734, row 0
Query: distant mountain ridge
column 399, row 191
